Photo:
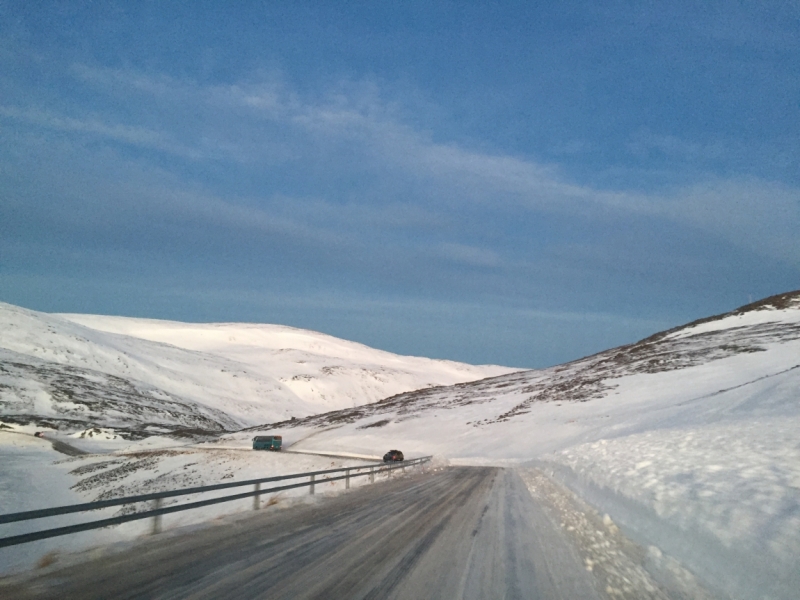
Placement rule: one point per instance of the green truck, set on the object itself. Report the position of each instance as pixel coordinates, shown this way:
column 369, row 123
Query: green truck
column 267, row 442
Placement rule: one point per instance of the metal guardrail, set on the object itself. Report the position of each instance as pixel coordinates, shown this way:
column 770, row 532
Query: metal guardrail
column 158, row 510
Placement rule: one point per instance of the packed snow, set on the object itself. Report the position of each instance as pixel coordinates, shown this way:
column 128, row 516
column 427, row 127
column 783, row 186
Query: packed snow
column 30, row 479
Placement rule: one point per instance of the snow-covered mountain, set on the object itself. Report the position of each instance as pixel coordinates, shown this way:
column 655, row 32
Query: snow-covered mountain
column 141, row 376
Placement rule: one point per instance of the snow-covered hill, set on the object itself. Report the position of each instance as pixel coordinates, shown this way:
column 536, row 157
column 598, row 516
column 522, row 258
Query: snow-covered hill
column 739, row 365
column 689, row 438
column 320, row 369
column 143, row 377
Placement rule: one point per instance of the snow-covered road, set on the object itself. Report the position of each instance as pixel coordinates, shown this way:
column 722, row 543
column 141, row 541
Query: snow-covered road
column 453, row 533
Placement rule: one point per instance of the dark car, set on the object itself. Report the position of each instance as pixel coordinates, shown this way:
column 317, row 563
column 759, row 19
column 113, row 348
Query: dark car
column 393, row 456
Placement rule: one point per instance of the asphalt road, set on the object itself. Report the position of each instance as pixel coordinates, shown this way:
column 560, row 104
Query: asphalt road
column 457, row 533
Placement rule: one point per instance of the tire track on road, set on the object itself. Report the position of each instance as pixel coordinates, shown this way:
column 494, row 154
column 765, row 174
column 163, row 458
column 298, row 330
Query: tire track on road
column 465, row 532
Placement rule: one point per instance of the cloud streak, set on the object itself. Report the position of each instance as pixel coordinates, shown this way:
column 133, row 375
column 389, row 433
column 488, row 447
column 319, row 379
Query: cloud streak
column 400, row 170
column 352, row 127
column 339, row 189
column 125, row 134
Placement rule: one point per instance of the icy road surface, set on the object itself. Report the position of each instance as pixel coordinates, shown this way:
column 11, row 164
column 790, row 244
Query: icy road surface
column 458, row 533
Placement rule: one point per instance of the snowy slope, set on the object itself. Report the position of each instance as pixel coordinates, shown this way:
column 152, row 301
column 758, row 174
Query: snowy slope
column 324, row 371
column 55, row 370
column 742, row 365
column 689, row 437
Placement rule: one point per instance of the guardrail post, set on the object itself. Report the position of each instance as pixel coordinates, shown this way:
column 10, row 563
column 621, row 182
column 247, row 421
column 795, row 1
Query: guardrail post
column 347, row 479
column 156, row 518
column 257, row 497
column 312, row 486
column 372, row 474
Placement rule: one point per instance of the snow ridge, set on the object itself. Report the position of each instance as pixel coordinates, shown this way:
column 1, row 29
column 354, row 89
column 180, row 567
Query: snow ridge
column 145, row 376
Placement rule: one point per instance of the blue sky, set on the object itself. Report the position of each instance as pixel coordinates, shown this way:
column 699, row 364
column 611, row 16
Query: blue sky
column 508, row 182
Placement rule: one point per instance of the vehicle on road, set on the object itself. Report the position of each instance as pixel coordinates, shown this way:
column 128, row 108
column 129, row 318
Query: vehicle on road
column 393, row 456
column 39, row 434
column 267, row 442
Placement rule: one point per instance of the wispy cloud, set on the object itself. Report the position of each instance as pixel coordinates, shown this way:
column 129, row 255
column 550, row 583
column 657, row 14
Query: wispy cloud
column 470, row 255
column 762, row 216
column 645, row 142
column 354, row 129
column 126, row 134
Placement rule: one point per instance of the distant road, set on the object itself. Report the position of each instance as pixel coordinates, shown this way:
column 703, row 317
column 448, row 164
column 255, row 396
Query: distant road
column 459, row 533
column 345, row 455
column 65, row 448
column 58, row 446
